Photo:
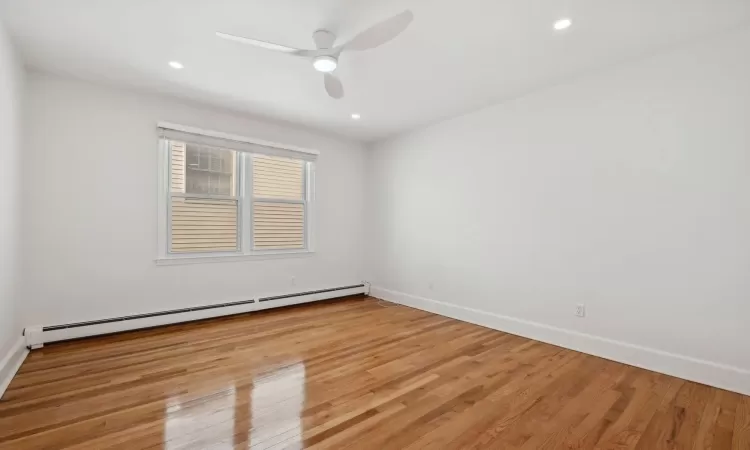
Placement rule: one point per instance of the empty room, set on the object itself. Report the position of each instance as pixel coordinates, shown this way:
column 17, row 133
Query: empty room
column 396, row 224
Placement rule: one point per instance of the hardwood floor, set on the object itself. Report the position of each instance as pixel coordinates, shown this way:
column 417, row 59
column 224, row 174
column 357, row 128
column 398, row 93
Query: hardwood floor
column 352, row 374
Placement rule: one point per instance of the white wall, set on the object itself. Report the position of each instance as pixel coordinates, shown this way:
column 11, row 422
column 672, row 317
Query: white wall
column 11, row 90
column 627, row 190
column 90, row 208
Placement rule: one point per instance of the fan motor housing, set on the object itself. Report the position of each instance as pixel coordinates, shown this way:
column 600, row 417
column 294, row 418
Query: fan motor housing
column 324, row 39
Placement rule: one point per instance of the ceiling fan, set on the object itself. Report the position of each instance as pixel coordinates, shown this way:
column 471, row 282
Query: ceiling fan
column 325, row 57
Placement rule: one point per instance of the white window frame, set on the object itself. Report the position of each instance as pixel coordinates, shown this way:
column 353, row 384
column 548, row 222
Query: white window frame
column 245, row 199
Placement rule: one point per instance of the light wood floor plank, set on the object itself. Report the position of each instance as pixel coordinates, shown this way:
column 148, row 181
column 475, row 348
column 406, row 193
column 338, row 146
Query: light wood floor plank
column 357, row 374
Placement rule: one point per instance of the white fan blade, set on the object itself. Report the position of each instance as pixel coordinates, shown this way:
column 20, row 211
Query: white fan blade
column 261, row 44
column 272, row 46
column 333, row 86
column 381, row 33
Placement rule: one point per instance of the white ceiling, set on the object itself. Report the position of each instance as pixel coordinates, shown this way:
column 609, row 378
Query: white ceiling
column 456, row 56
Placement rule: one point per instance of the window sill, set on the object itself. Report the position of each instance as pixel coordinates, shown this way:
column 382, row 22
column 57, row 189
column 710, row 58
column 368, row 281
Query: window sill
column 201, row 259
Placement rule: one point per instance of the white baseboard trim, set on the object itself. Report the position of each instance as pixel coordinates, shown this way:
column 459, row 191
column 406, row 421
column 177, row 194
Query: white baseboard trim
column 37, row 336
column 10, row 364
column 688, row 368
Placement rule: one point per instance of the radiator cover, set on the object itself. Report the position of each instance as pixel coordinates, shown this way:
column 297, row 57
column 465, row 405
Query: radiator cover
column 37, row 336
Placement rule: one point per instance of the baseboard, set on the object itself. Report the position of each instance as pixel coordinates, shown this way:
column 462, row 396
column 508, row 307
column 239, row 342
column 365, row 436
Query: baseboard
column 38, row 335
column 688, row 368
column 11, row 362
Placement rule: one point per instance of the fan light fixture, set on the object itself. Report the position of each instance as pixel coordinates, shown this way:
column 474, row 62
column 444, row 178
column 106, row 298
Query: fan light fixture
column 325, row 64
column 356, row 116
column 563, row 24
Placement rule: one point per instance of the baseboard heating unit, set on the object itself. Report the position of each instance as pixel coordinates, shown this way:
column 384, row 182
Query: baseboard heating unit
column 37, row 336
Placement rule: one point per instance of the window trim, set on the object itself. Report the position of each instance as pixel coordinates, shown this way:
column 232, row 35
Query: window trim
column 229, row 138
column 244, row 199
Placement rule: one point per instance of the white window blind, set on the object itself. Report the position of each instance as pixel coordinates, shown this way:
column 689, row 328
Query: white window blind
column 227, row 196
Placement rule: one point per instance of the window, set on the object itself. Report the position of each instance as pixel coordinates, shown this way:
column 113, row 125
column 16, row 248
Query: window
column 227, row 197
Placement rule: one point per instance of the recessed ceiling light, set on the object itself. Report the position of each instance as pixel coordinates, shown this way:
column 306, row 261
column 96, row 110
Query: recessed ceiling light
column 356, row 116
column 176, row 65
column 563, row 24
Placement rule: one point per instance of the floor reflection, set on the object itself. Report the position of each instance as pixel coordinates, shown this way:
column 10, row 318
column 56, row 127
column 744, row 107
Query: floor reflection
column 261, row 415
column 205, row 422
column 277, row 402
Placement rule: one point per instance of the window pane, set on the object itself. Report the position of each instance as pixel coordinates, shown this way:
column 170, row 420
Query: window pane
column 198, row 169
column 278, row 225
column 280, row 178
column 203, row 225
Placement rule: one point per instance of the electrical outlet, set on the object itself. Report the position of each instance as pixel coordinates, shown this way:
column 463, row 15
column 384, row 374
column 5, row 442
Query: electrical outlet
column 294, row 281
column 581, row 310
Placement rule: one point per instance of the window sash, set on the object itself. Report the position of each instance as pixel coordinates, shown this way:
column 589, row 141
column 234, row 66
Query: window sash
column 304, row 246
column 170, row 225
column 304, row 202
column 186, row 195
